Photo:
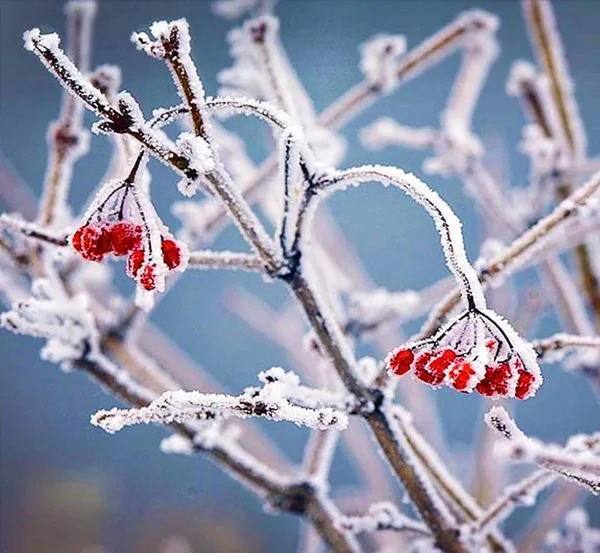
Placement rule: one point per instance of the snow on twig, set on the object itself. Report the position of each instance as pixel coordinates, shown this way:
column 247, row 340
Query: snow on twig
column 275, row 400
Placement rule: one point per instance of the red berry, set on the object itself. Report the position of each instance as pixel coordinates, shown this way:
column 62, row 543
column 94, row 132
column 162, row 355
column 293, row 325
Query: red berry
column 460, row 374
column 442, row 361
column 135, row 262
column 125, row 237
column 423, row 372
column 526, row 379
column 171, row 253
column 147, row 278
column 92, row 243
column 400, row 363
column 495, row 382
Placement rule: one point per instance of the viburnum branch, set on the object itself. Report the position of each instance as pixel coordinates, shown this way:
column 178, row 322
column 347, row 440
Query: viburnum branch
column 550, row 53
column 385, row 516
column 207, row 259
column 354, row 101
column 447, row 224
column 180, row 406
column 67, row 140
column 522, row 248
column 523, row 493
column 576, row 462
column 548, row 348
column 173, row 45
column 430, row 52
column 32, row 230
column 464, row 507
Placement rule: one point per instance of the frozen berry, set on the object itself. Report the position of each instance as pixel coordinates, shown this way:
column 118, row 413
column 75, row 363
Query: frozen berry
column 495, row 382
column 424, row 373
column 91, row 242
column 460, row 374
column 171, row 253
column 401, row 361
column 524, row 384
column 147, row 278
column 125, row 237
column 135, row 262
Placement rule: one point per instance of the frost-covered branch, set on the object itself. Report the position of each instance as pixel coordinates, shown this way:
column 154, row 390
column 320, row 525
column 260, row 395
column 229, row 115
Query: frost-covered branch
column 385, row 516
column 32, row 230
column 459, row 500
column 207, row 259
column 550, row 53
column 554, row 347
column 576, row 462
column 272, row 401
column 516, row 254
column 67, row 140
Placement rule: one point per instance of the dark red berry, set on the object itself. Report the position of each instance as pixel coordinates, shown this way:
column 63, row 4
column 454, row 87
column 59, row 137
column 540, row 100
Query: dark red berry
column 524, row 384
column 460, row 374
column 495, row 382
column 147, row 277
column 423, row 372
column 125, row 237
column 400, row 363
column 135, row 262
column 91, row 242
column 171, row 253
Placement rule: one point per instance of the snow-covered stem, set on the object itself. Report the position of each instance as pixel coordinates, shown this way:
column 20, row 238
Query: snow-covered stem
column 459, row 500
column 428, row 53
column 416, row 481
column 446, row 222
column 318, row 454
column 174, row 38
column 32, row 230
column 343, row 110
column 289, row 164
column 334, row 343
column 385, row 516
column 517, row 254
column 207, row 259
column 182, row 406
column 234, row 459
column 575, row 462
column 546, row 40
column 67, row 140
column 562, row 343
column 523, row 493
column 545, row 35
column 478, row 54
column 48, row 50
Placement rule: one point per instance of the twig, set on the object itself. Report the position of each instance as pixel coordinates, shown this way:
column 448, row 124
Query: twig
column 67, row 141
column 207, row 259
column 559, row 343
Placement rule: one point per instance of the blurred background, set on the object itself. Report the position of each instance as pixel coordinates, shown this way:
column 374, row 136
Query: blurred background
column 67, row 486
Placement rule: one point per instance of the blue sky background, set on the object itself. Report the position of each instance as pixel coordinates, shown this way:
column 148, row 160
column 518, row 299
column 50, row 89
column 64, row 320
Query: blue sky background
column 44, row 430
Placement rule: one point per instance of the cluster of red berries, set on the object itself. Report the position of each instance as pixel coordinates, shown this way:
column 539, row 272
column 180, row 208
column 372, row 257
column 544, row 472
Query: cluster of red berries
column 448, row 367
column 123, row 238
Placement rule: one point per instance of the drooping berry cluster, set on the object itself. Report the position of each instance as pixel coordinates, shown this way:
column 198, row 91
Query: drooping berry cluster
column 121, row 221
column 94, row 242
column 453, row 359
column 123, row 238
